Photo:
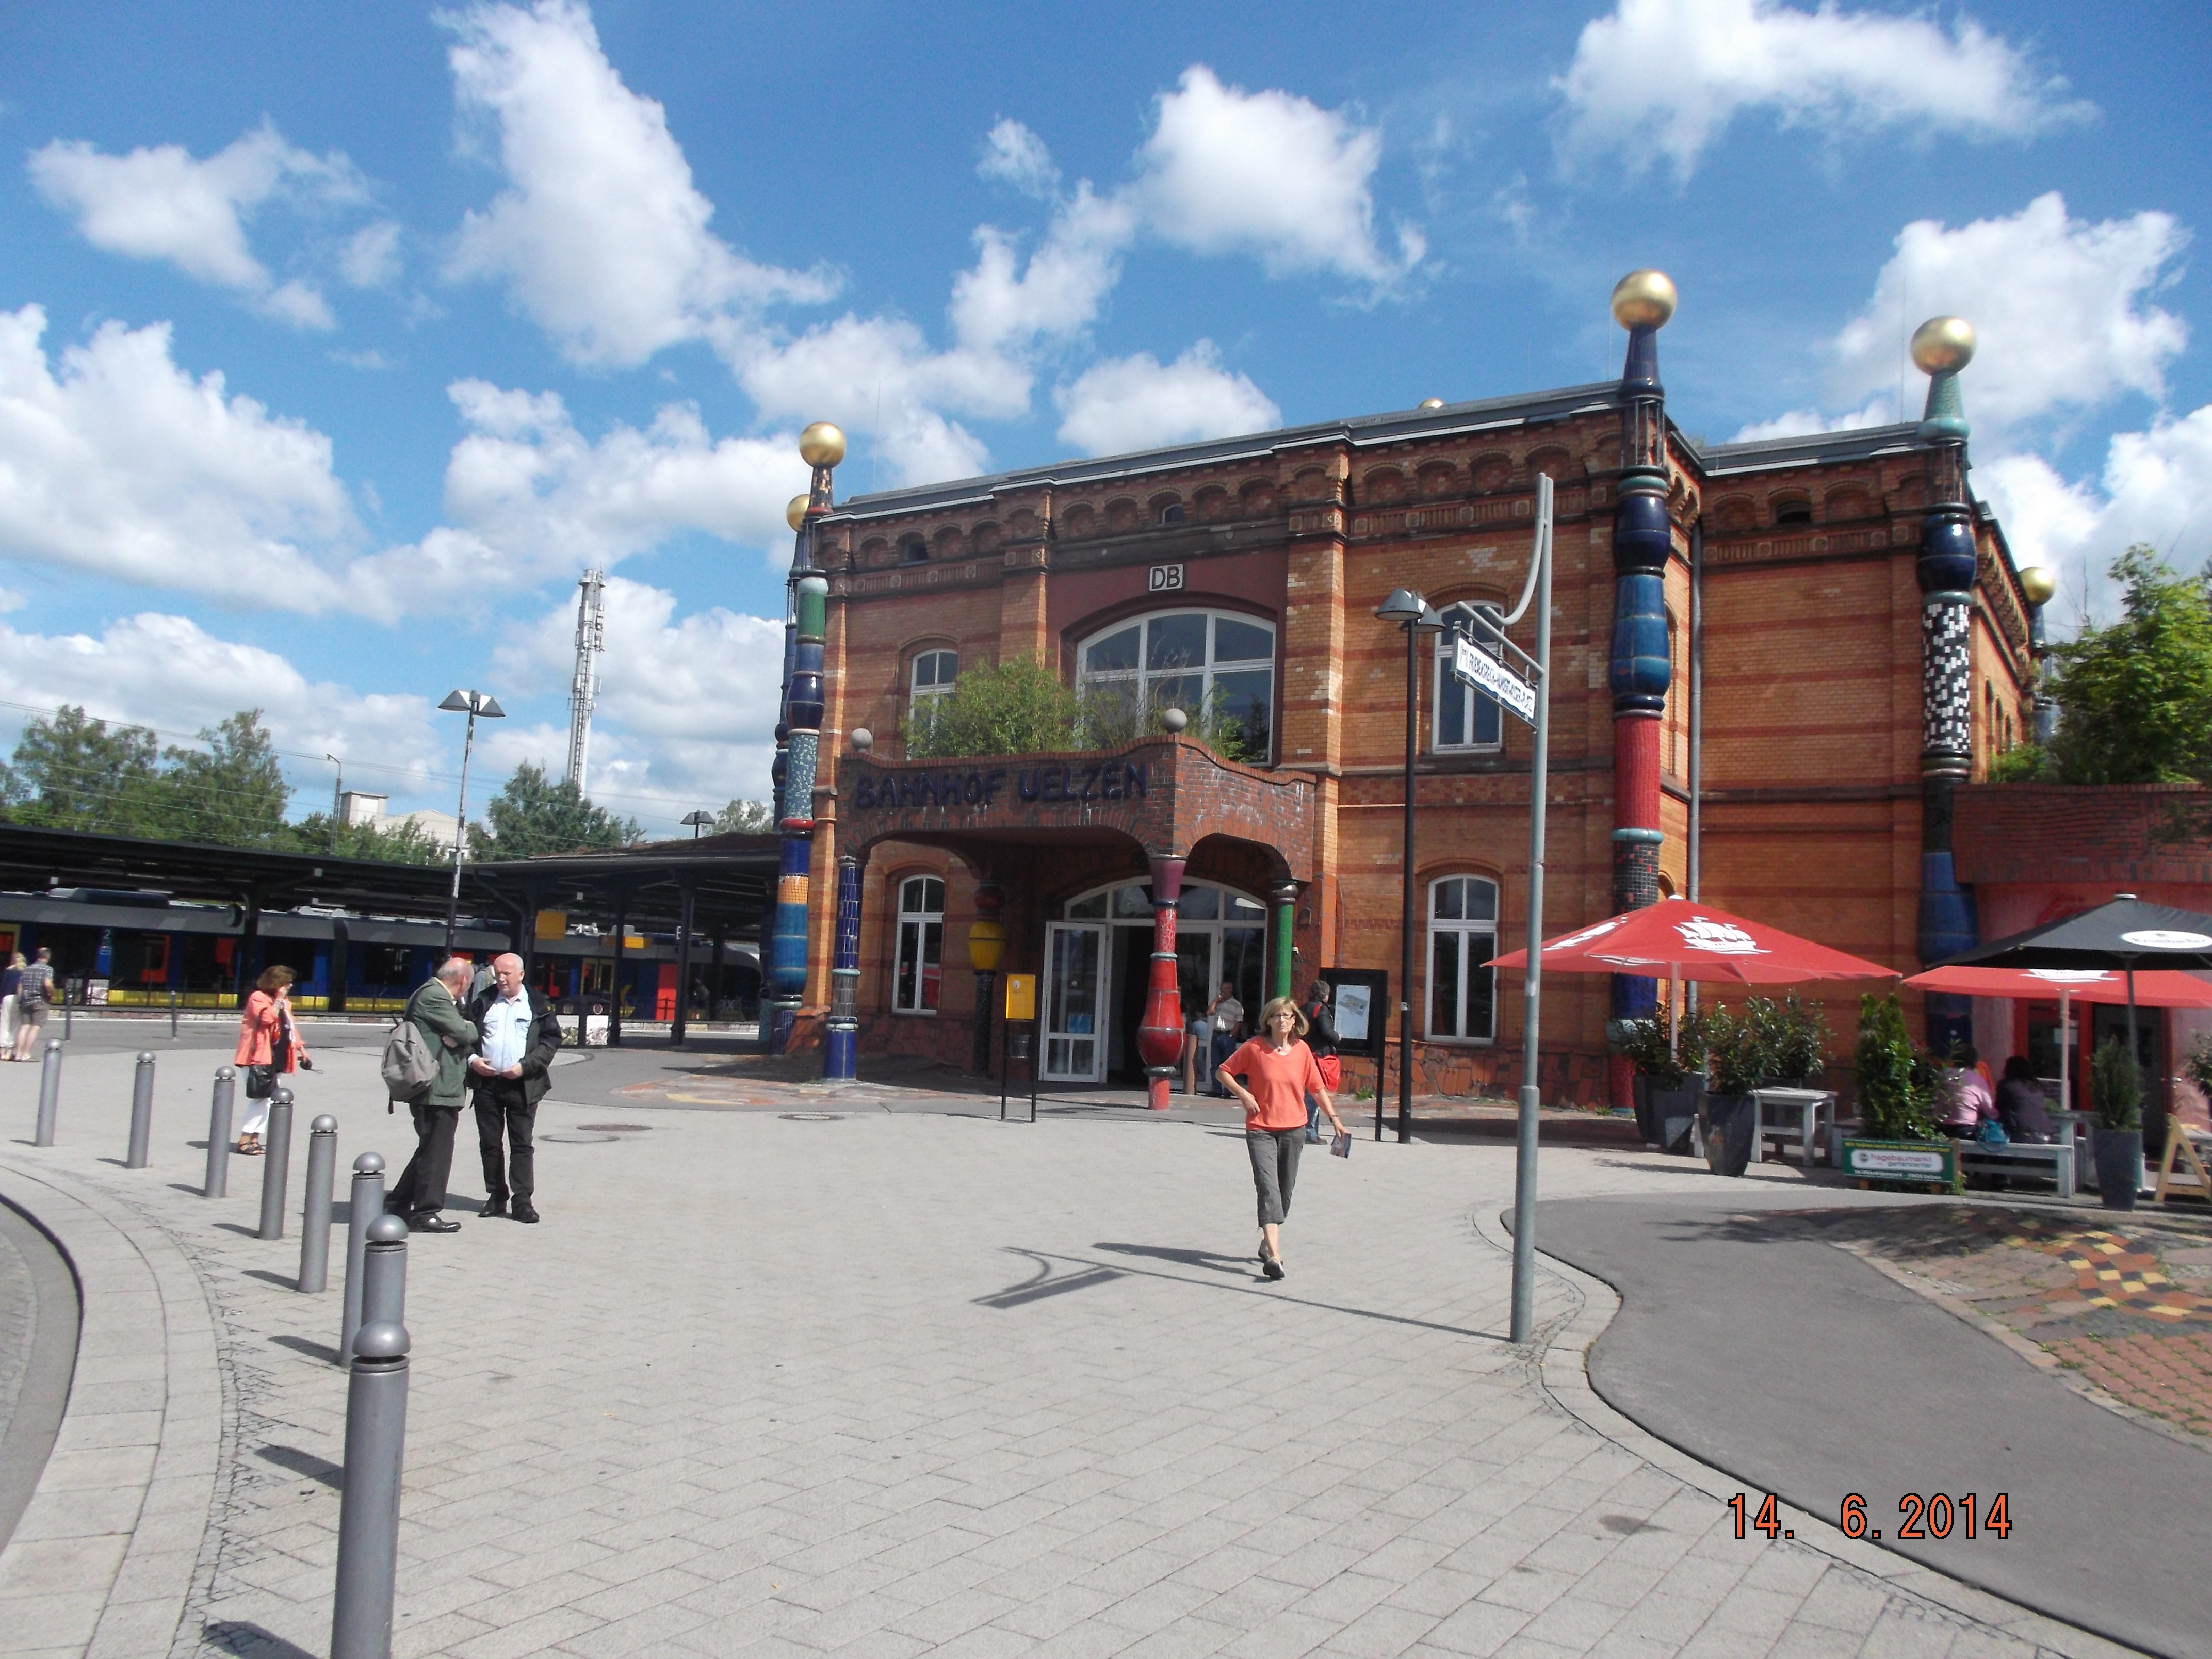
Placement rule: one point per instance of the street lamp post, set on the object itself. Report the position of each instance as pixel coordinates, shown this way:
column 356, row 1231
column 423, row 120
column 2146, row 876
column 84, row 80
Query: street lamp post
column 1408, row 610
column 473, row 704
column 696, row 821
column 338, row 798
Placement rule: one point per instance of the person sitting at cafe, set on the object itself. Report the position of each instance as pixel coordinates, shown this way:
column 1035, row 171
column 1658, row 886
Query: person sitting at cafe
column 2020, row 1104
column 1970, row 1102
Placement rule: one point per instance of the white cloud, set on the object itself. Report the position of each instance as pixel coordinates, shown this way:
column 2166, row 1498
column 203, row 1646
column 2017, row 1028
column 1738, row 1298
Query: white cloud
column 1802, row 422
column 1268, row 174
column 600, row 236
column 1667, row 77
column 1014, row 156
column 1133, row 403
column 164, row 204
column 2060, row 308
column 370, row 257
column 1066, row 282
column 116, row 461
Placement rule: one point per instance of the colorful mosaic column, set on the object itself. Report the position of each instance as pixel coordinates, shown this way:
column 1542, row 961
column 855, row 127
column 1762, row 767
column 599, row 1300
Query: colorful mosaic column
column 799, row 735
column 1942, row 347
column 1284, row 897
column 1159, row 1039
column 1643, row 541
column 986, row 949
column 841, row 1041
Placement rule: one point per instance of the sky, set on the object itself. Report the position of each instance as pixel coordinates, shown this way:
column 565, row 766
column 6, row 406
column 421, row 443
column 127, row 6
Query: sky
column 335, row 342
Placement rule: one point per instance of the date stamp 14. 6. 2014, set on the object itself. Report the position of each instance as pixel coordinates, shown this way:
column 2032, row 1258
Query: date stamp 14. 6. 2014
column 1922, row 1517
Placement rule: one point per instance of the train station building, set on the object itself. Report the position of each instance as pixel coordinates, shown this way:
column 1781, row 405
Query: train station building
column 1864, row 646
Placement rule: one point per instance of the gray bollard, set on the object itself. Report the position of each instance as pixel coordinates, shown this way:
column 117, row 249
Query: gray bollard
column 50, row 1094
column 219, row 1107
column 315, row 1210
column 365, row 1204
column 383, row 1285
column 375, row 1456
column 142, row 1112
column 276, row 1164
column 172, row 1016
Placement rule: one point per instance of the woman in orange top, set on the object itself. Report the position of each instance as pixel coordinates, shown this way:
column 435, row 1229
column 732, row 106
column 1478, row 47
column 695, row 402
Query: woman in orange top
column 266, row 1036
column 1273, row 1074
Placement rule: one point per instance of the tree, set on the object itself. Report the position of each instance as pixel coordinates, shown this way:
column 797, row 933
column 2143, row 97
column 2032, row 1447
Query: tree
column 72, row 773
column 1018, row 706
column 397, row 842
column 231, row 794
column 532, row 815
column 2135, row 698
column 744, row 817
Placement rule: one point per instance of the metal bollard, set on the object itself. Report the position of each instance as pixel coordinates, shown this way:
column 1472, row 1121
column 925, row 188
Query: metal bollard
column 375, row 1456
column 172, row 1016
column 315, row 1209
column 219, row 1107
column 142, row 1112
column 365, row 1204
column 276, row 1164
column 50, row 1094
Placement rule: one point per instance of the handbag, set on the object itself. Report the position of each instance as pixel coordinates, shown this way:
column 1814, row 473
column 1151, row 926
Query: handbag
column 1332, row 1071
column 1990, row 1133
column 260, row 1081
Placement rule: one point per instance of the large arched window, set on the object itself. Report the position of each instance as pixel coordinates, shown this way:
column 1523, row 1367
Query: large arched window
column 919, row 974
column 1462, row 936
column 1467, row 720
column 1181, row 659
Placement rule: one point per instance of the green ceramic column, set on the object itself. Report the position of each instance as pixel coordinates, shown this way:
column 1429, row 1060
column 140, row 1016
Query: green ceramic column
column 1284, row 895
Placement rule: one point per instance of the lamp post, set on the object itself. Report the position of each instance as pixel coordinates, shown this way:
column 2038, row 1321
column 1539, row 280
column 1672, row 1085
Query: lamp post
column 1408, row 610
column 337, row 799
column 697, row 822
column 473, row 704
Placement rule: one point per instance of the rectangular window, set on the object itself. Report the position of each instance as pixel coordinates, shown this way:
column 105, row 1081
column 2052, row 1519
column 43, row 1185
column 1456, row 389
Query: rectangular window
column 1466, row 719
column 1462, row 936
column 918, row 970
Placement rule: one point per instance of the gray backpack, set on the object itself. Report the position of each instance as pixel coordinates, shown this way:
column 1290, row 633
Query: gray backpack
column 409, row 1068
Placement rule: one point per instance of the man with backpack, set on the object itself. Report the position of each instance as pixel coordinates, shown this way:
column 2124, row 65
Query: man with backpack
column 434, row 1013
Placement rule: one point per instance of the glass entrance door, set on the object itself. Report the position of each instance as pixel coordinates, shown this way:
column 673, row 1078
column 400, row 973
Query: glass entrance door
column 1074, row 996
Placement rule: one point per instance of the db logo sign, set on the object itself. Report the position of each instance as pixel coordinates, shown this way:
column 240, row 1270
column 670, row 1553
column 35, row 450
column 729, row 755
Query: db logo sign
column 1167, row 578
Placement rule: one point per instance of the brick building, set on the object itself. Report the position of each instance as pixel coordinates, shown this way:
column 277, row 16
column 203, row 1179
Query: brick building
column 1867, row 646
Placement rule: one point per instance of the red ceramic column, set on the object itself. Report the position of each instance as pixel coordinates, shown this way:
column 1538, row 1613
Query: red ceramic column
column 1159, row 1039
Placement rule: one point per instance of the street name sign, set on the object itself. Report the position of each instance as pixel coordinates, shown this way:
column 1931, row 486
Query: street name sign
column 1478, row 668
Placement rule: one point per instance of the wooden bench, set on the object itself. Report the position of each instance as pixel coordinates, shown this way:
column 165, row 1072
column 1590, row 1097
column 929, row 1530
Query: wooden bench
column 2189, row 1179
column 2020, row 1157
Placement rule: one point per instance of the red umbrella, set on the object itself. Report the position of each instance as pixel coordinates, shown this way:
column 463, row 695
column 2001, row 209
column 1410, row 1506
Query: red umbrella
column 1675, row 938
column 2155, row 987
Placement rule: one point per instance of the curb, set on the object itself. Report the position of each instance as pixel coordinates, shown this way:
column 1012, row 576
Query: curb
column 1563, row 1370
column 102, row 1561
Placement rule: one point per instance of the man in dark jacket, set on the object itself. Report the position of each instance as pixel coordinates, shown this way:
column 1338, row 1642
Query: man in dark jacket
column 435, row 1009
column 509, row 1074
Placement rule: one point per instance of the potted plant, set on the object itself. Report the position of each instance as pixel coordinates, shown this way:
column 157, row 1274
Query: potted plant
column 1669, row 1062
column 1795, row 1038
column 1899, row 1087
column 2117, row 1093
column 1739, row 1060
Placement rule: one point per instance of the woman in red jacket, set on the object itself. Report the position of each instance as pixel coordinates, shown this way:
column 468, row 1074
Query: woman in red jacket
column 266, row 1036
column 1273, row 1074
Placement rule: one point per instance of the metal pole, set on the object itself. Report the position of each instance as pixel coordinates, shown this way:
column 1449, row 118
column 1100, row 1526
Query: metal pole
column 50, row 1094
column 276, row 1164
column 1406, row 901
column 1697, row 753
column 1524, row 1140
column 142, row 1112
column 375, row 1456
column 218, row 1158
column 315, row 1210
column 69, row 1013
column 364, row 1203
column 172, row 1016
column 460, row 827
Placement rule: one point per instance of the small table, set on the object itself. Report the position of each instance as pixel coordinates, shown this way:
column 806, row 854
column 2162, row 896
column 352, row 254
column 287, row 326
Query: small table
column 1802, row 1111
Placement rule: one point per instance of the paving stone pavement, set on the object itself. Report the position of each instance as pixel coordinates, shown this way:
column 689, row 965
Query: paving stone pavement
column 895, row 1383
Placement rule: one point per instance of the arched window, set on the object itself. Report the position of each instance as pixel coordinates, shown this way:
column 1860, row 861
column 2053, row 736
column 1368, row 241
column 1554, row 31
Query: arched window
column 934, row 671
column 1462, row 936
column 1181, row 659
column 1467, row 720
column 920, row 973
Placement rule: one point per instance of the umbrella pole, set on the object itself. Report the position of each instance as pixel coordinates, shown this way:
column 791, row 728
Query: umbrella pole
column 2065, row 1038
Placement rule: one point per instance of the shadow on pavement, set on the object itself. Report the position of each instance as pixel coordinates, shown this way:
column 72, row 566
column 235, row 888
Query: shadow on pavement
column 303, row 1463
column 250, row 1641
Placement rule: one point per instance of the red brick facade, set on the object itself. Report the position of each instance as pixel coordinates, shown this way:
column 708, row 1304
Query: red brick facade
column 1812, row 686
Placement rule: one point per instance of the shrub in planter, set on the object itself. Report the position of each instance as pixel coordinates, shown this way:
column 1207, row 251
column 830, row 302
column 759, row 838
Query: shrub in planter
column 1899, row 1087
column 1669, row 1065
column 1793, row 1037
column 2117, row 1092
column 1739, row 1059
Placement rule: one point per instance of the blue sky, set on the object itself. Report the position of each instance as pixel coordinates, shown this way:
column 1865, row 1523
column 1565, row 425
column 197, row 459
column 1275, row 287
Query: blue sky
column 335, row 342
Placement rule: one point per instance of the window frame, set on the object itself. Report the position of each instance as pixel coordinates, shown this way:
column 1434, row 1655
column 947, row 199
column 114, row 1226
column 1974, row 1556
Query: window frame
column 1462, row 931
column 1141, row 672
column 1441, row 680
column 917, row 694
column 911, row 935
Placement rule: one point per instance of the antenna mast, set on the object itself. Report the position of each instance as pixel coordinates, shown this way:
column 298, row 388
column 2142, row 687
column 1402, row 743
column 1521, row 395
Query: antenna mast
column 584, row 689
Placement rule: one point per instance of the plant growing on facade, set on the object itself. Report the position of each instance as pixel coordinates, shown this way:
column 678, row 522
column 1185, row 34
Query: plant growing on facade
column 1018, row 706
column 1898, row 1086
column 1109, row 716
column 2116, row 1088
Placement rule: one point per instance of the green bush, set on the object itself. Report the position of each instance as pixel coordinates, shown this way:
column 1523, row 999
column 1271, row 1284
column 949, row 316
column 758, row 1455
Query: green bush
column 1794, row 1038
column 1898, row 1086
column 1737, row 1050
column 2115, row 1087
column 1018, row 706
column 1657, row 1052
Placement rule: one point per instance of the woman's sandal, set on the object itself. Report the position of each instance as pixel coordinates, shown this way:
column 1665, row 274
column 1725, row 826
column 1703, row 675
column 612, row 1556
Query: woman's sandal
column 249, row 1145
column 1270, row 1265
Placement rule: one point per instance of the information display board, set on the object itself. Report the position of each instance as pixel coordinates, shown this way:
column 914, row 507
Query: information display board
column 1359, row 1003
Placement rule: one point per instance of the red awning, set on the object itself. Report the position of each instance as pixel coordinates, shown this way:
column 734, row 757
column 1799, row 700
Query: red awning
column 2155, row 987
column 1677, row 939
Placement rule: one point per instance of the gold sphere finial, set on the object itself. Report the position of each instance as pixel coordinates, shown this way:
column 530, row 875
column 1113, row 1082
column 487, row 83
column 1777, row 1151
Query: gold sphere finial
column 822, row 444
column 1643, row 299
column 2039, row 582
column 1432, row 403
column 1942, row 343
column 795, row 513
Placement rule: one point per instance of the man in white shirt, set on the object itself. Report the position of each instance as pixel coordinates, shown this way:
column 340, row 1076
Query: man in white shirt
column 508, row 1073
